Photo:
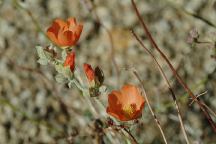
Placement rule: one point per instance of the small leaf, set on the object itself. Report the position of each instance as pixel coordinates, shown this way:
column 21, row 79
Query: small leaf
column 103, row 89
column 44, row 57
column 59, row 68
column 64, row 54
column 40, row 52
column 70, row 84
column 42, row 61
column 43, row 54
column 65, row 71
column 60, row 78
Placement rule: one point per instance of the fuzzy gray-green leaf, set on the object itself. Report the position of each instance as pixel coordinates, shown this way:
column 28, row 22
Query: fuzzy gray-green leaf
column 60, row 78
column 42, row 61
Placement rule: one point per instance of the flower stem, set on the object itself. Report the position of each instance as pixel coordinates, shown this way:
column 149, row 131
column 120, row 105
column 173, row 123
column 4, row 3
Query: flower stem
column 134, row 141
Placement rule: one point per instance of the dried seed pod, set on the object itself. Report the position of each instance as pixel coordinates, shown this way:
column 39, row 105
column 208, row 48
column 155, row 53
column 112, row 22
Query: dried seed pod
column 99, row 76
column 98, row 125
column 94, row 92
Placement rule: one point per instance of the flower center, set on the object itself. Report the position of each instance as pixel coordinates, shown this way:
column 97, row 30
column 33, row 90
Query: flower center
column 129, row 110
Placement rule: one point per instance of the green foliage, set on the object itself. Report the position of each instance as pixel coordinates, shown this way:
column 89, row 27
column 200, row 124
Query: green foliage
column 60, row 78
column 44, row 57
column 64, row 54
column 64, row 71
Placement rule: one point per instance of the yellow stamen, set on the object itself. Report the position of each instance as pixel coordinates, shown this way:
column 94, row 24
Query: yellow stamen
column 129, row 110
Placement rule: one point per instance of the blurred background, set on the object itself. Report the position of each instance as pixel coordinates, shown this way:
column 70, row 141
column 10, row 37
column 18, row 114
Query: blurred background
column 34, row 108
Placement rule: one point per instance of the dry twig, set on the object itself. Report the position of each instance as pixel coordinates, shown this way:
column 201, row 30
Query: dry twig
column 150, row 108
column 180, row 80
column 168, row 84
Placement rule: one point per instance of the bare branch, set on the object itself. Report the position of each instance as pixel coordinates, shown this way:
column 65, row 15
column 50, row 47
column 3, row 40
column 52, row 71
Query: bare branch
column 180, row 80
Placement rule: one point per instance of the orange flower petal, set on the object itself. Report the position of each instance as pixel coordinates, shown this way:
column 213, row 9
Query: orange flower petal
column 117, row 114
column 114, row 100
column 70, row 61
column 64, row 38
column 89, row 72
column 126, row 104
column 65, row 33
column 61, row 23
column 78, row 31
column 54, row 28
column 133, row 94
column 52, row 32
column 52, row 36
column 71, row 23
column 139, row 111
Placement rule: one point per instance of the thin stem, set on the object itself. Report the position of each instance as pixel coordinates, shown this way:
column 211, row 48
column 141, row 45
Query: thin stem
column 203, row 42
column 194, row 15
column 150, row 108
column 213, row 112
column 31, row 16
column 198, row 96
column 180, row 80
column 77, row 84
column 134, row 141
column 86, row 95
column 168, row 84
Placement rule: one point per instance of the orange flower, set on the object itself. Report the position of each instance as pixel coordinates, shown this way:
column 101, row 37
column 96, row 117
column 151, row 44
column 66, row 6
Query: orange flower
column 65, row 33
column 126, row 104
column 70, row 61
column 89, row 72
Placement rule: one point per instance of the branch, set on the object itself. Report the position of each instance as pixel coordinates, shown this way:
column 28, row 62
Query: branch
column 180, row 80
column 150, row 108
column 168, row 84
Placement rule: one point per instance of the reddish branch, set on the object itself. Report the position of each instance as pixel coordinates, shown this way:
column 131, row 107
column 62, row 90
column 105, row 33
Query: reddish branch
column 168, row 84
column 180, row 80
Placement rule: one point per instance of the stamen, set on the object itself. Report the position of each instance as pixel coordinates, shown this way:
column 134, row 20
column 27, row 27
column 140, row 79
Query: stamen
column 129, row 110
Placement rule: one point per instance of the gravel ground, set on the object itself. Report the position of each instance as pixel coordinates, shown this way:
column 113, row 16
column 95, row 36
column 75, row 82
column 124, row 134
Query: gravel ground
column 34, row 108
